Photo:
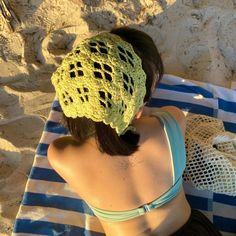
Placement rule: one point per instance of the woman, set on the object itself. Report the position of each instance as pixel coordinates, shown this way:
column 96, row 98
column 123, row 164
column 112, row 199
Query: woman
column 133, row 161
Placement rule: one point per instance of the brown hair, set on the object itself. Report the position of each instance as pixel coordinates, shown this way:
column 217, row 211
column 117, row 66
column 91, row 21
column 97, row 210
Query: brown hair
column 106, row 137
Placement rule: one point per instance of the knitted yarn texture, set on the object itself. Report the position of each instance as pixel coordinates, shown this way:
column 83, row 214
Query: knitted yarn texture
column 101, row 79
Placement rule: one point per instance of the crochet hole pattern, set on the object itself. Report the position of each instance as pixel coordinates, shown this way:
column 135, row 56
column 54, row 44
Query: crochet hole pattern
column 95, row 46
column 101, row 43
column 131, row 81
column 97, row 65
column 103, row 97
column 103, row 50
column 76, row 69
column 80, row 73
column 125, row 56
column 122, row 57
column 123, row 108
column 127, row 81
column 86, row 90
column 108, row 68
column 67, row 99
column 93, row 49
column 108, row 77
column 72, row 74
column 99, row 74
column 130, row 55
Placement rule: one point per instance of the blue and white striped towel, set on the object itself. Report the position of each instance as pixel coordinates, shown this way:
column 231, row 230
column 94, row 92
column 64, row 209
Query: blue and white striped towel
column 50, row 207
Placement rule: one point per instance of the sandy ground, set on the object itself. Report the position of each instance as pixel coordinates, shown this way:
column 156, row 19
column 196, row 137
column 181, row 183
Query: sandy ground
column 195, row 37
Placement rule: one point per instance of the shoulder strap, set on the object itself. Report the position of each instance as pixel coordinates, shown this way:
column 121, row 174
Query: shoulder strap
column 175, row 140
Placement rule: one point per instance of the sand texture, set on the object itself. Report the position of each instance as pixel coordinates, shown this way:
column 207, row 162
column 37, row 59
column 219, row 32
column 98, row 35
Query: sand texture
column 196, row 39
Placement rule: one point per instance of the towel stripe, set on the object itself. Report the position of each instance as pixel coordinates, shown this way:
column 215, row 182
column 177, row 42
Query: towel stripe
column 35, row 227
column 227, row 234
column 51, row 188
column 224, row 210
column 49, row 137
column 225, row 224
column 55, row 115
column 55, row 127
column 200, row 203
column 222, row 198
column 26, row 234
column 42, row 149
column 190, row 190
column 186, row 89
column 42, row 162
column 227, row 105
column 66, row 217
column 231, row 127
column 45, row 174
column 191, row 98
column 193, row 108
column 45, row 200
column 56, row 106
column 227, row 116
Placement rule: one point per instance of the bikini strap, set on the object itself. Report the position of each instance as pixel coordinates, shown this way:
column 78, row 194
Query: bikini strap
column 176, row 142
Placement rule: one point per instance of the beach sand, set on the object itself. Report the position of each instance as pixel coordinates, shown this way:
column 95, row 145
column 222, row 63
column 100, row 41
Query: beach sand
column 196, row 39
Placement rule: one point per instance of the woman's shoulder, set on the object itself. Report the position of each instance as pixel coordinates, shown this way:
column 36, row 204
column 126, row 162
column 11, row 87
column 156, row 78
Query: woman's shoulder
column 60, row 152
column 175, row 112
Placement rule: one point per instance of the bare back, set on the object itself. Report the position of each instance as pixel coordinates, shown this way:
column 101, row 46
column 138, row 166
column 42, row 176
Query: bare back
column 131, row 180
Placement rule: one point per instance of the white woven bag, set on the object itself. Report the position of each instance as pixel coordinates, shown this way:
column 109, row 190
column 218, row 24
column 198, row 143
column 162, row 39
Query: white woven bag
column 211, row 155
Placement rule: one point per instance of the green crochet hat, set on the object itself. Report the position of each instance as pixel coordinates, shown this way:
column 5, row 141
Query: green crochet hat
column 101, row 79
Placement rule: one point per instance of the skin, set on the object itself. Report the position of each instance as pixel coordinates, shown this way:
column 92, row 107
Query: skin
column 131, row 180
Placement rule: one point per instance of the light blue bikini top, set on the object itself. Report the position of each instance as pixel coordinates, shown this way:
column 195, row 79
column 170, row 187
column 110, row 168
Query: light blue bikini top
column 177, row 149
